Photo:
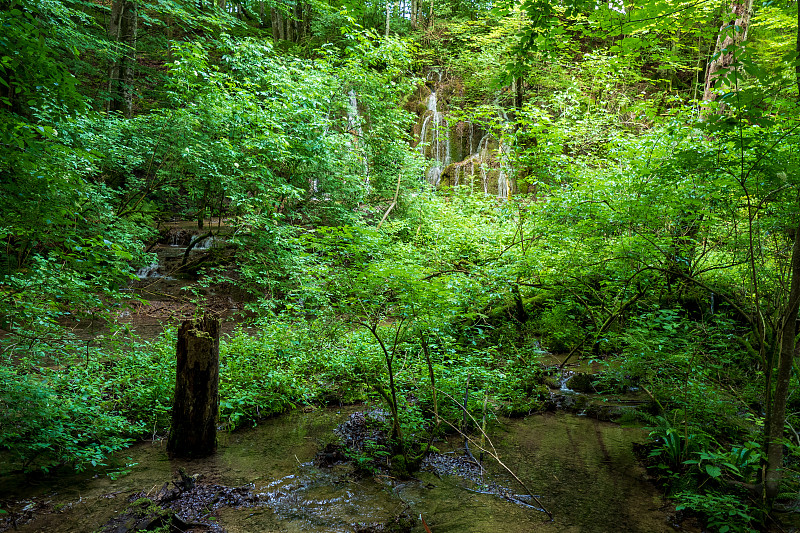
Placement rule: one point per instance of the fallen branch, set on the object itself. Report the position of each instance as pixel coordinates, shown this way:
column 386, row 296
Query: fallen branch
column 192, row 244
column 394, row 202
column 494, row 455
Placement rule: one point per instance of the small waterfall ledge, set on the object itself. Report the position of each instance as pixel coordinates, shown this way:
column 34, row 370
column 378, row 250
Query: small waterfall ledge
column 454, row 157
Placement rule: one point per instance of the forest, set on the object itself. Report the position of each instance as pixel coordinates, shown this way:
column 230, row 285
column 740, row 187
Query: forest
column 443, row 222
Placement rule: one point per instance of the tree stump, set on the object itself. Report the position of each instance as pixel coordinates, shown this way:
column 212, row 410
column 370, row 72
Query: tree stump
column 194, row 411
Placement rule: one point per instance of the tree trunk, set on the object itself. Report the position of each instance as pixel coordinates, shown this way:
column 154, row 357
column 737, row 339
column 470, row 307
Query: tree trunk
column 414, row 4
column 298, row 21
column 786, row 356
column 122, row 30
column 194, row 412
column 730, row 35
column 797, row 49
column 276, row 34
column 388, row 14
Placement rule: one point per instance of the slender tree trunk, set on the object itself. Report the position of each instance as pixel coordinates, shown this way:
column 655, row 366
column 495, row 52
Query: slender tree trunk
column 518, row 94
column 388, row 14
column 273, row 15
column 797, row 48
column 170, row 37
column 730, row 35
column 430, row 16
column 194, row 413
column 414, row 4
column 122, row 30
column 298, row 22
column 786, row 359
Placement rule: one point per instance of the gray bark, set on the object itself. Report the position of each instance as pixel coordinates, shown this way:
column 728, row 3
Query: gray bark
column 388, row 14
column 730, row 35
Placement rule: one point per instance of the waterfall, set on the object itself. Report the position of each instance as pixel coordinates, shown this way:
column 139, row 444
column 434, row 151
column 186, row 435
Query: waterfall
column 434, row 139
column 149, row 271
column 506, row 170
column 435, row 146
column 502, row 185
column 353, row 122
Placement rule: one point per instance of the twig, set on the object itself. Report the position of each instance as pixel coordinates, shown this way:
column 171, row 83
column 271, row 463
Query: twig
column 494, row 455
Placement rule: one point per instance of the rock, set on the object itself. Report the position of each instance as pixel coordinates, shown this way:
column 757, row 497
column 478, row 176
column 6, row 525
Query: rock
column 581, row 382
column 330, row 455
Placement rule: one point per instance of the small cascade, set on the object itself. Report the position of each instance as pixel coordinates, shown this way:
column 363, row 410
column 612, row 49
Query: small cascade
column 205, row 244
column 434, row 139
column 476, row 150
column 149, row 271
column 503, row 185
column 179, row 238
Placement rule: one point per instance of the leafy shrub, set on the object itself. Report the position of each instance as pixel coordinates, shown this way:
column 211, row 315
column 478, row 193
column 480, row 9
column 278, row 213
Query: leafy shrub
column 724, row 513
column 43, row 425
column 560, row 328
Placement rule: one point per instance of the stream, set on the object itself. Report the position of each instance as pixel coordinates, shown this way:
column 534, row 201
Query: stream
column 583, row 470
column 268, row 478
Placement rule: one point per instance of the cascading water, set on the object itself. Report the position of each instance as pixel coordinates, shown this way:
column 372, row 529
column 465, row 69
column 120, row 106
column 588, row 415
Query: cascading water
column 503, row 185
column 434, row 144
column 434, row 140
column 149, row 271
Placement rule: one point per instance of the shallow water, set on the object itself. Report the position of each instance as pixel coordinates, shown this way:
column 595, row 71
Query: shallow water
column 583, row 471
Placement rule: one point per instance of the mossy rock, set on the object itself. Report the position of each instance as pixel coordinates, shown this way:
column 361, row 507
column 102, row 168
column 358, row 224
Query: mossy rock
column 582, row 382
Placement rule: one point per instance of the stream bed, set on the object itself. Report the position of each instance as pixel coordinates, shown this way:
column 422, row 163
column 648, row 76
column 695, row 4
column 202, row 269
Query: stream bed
column 583, row 471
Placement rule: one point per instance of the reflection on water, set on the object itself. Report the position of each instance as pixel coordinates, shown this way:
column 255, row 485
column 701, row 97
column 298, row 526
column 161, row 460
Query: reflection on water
column 583, row 471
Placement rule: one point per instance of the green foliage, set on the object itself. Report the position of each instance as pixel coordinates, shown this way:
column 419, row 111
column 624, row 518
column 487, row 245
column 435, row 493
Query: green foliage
column 559, row 327
column 640, row 235
column 724, row 512
column 47, row 421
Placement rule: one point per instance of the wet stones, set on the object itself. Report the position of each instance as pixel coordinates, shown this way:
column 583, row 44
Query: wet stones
column 363, row 429
column 188, row 506
column 582, row 382
column 402, row 523
column 330, row 455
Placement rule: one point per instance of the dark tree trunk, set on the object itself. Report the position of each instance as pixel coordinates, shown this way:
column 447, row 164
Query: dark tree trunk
column 298, row 22
column 122, row 30
column 776, row 418
column 797, row 49
column 194, row 413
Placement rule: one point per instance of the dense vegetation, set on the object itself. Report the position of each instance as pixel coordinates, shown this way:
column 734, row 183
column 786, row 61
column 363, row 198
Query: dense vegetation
column 652, row 219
